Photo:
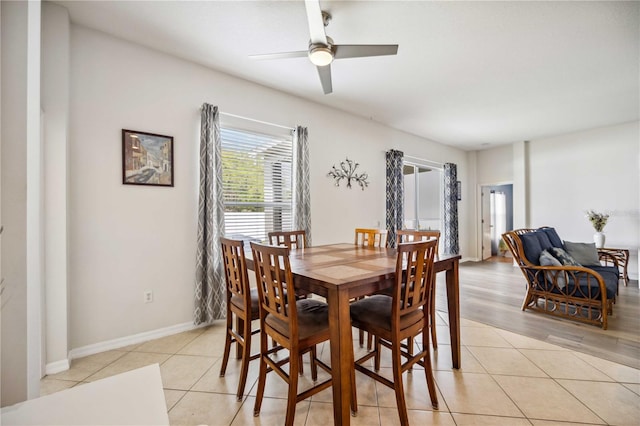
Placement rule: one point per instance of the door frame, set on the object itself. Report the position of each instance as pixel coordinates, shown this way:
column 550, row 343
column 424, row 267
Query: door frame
column 480, row 237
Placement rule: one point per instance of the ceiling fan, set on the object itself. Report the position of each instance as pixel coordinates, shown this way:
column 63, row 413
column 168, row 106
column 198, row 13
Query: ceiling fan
column 322, row 51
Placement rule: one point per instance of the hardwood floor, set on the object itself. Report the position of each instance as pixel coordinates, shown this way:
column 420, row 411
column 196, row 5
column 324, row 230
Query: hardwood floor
column 492, row 293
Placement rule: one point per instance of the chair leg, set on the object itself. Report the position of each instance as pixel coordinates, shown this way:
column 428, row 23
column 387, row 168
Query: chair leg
column 432, row 316
column 246, row 356
column 428, row 370
column 398, row 386
column 361, row 337
column 354, row 397
column 376, row 358
column 292, row 394
column 227, row 343
column 314, row 366
column 410, row 345
column 262, row 377
column 369, row 341
column 239, row 327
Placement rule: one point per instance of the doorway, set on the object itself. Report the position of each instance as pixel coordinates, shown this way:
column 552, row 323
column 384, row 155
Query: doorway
column 497, row 218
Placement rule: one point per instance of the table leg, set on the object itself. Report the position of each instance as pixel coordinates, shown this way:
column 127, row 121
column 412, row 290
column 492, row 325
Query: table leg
column 341, row 354
column 453, row 300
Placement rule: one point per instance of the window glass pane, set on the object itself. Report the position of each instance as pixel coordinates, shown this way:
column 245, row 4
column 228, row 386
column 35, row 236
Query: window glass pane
column 429, row 205
column 257, row 183
column 422, row 196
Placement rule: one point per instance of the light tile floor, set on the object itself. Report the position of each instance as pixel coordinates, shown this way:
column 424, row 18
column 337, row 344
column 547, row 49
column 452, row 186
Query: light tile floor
column 505, row 379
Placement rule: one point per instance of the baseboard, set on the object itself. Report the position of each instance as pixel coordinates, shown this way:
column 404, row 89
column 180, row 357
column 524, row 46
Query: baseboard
column 130, row 340
column 57, row 367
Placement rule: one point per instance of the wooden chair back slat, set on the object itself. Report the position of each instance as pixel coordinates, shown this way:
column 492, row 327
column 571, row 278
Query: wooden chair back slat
column 414, row 276
column 408, row 235
column 274, row 279
column 367, row 237
column 235, row 266
column 291, row 239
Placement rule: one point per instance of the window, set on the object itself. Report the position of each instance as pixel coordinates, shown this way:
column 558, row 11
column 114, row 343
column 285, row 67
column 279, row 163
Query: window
column 257, row 183
column 422, row 196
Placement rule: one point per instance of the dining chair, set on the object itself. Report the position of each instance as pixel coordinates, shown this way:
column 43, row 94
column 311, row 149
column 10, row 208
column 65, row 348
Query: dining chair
column 407, row 235
column 291, row 239
column 242, row 303
column 368, row 237
column 297, row 327
column 393, row 319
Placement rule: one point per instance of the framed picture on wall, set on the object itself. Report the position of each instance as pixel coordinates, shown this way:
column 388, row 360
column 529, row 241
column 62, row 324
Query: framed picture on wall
column 147, row 158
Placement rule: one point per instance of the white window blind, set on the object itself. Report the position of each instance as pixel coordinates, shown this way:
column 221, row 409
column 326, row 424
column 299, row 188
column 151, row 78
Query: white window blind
column 257, row 183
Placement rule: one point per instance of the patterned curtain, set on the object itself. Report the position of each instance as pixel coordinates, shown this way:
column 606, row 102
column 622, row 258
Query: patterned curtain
column 395, row 194
column 302, row 190
column 450, row 234
column 210, row 302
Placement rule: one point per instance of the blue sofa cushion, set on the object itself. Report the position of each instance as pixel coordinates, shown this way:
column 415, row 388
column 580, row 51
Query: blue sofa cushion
column 555, row 239
column 605, row 271
column 545, row 242
column 588, row 287
column 610, row 282
column 532, row 247
column 564, row 257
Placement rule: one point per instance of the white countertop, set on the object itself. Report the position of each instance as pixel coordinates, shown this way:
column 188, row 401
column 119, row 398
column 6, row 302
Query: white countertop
column 132, row 398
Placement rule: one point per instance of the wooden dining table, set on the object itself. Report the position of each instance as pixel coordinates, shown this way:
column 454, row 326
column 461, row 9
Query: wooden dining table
column 340, row 272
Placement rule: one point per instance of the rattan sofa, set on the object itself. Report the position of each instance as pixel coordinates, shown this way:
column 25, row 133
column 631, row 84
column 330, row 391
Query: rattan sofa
column 581, row 293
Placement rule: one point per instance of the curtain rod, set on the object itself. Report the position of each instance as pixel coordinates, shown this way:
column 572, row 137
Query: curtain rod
column 256, row 121
column 426, row 162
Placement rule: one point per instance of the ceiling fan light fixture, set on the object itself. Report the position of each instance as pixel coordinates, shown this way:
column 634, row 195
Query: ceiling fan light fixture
column 320, row 55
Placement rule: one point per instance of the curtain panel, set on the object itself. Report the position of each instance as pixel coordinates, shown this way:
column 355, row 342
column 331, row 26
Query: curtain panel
column 302, row 185
column 210, row 288
column 450, row 234
column 395, row 194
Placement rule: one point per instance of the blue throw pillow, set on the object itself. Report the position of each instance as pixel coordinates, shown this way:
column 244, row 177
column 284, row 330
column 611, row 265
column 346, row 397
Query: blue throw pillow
column 545, row 242
column 564, row 257
column 531, row 246
column 555, row 239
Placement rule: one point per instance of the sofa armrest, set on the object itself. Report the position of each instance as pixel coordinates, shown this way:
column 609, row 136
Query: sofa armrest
column 616, row 257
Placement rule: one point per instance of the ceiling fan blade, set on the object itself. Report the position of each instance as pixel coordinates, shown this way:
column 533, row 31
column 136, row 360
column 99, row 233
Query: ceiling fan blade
column 282, row 55
column 343, row 51
column 325, row 78
column 316, row 22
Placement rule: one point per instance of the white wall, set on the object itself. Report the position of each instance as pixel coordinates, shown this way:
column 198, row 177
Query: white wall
column 501, row 160
column 21, row 202
column 590, row 170
column 567, row 175
column 125, row 239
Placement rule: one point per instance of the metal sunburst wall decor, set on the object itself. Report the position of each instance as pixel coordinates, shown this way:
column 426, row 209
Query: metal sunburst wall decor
column 347, row 171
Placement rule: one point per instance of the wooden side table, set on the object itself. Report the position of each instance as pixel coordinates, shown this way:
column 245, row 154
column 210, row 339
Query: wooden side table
column 618, row 257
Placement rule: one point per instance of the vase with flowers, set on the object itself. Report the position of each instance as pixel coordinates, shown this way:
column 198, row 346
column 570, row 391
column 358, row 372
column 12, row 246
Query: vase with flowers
column 598, row 220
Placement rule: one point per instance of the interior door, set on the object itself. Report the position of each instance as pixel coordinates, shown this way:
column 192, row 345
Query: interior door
column 486, row 222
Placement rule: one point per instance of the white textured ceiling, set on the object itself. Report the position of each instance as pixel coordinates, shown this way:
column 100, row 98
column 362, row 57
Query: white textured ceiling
column 467, row 74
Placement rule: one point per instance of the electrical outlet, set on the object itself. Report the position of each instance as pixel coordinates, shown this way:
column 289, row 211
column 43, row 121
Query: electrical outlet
column 148, row 296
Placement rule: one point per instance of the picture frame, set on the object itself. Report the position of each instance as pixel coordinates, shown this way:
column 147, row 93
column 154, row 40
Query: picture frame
column 147, row 158
column 459, row 190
